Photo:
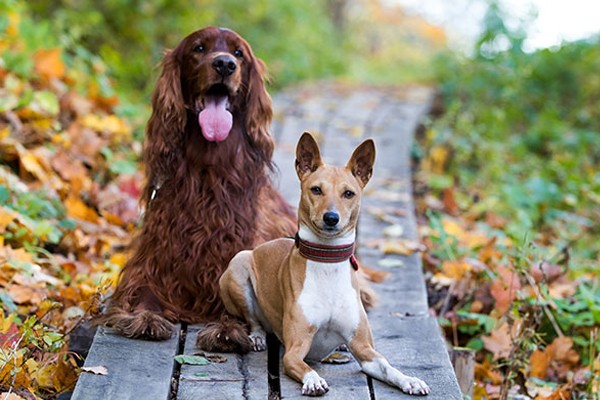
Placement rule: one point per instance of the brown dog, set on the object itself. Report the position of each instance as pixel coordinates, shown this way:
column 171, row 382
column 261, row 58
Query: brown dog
column 306, row 291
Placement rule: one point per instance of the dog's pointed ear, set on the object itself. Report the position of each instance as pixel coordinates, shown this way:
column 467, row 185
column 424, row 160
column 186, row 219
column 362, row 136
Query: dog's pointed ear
column 308, row 157
column 361, row 162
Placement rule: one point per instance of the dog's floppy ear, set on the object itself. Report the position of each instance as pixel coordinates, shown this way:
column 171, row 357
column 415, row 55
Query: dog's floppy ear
column 361, row 162
column 308, row 157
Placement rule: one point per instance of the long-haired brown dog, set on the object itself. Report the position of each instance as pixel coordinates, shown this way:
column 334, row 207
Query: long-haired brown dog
column 207, row 193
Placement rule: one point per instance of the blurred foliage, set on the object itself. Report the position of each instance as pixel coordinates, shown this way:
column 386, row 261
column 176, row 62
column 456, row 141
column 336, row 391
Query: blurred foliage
column 511, row 186
column 130, row 35
column 69, row 185
column 298, row 39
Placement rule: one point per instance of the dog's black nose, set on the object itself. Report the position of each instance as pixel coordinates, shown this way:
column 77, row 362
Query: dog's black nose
column 331, row 218
column 224, row 65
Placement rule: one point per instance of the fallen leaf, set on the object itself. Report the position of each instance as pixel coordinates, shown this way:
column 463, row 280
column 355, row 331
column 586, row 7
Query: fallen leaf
column 77, row 209
column 393, row 231
column 213, row 358
column 450, row 204
column 562, row 393
column 97, row 370
column 485, row 373
column 25, row 294
column 499, row 342
column 455, row 269
column 404, row 247
column 48, row 63
column 9, row 334
column 337, row 358
column 538, row 388
column 504, row 288
column 191, row 360
column 539, row 362
column 390, row 263
column 545, row 272
column 10, row 396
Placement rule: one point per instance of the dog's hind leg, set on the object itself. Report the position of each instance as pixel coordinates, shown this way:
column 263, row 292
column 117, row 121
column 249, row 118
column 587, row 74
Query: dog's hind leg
column 238, row 296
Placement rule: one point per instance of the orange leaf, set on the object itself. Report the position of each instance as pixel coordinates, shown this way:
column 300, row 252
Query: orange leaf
column 77, row 209
column 485, row 373
column 539, row 362
column 450, row 204
column 48, row 63
column 504, row 288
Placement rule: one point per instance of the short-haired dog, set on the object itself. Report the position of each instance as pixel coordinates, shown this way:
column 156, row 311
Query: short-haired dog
column 305, row 291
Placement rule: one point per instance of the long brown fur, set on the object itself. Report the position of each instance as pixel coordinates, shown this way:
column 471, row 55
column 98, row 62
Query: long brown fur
column 205, row 201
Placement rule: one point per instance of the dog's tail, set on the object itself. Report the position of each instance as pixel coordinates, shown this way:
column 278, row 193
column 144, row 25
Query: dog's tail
column 228, row 335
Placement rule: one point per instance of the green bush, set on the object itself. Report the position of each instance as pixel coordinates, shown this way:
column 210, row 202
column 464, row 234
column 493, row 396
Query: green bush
column 524, row 132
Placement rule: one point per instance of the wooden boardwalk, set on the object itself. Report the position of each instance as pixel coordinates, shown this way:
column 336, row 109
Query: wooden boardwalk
column 341, row 118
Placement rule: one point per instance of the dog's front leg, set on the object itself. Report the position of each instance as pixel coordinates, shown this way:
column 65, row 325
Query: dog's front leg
column 375, row 365
column 297, row 341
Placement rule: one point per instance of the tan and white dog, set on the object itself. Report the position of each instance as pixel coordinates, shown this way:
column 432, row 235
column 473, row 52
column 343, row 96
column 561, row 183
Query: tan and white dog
column 306, row 290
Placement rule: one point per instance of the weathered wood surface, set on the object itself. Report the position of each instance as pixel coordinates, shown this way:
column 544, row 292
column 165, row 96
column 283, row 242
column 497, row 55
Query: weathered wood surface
column 341, row 118
column 137, row 369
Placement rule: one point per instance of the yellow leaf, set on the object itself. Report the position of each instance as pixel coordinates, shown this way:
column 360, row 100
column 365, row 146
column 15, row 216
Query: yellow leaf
column 64, row 376
column 456, row 269
column 6, row 217
column 48, row 63
column 5, row 322
column 32, row 366
column 438, row 156
column 119, row 259
column 108, row 124
column 77, row 209
column 402, row 247
column 44, row 376
column 30, row 163
column 14, row 19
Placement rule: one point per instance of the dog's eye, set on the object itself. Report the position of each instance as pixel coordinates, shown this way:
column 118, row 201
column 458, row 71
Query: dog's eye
column 238, row 53
column 348, row 194
column 199, row 49
column 316, row 190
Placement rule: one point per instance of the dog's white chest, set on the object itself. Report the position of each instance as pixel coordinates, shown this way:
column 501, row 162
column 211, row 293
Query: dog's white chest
column 330, row 303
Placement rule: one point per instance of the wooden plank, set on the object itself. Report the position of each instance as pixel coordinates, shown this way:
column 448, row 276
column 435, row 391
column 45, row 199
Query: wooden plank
column 219, row 381
column 414, row 346
column 137, row 369
column 239, row 377
column 345, row 381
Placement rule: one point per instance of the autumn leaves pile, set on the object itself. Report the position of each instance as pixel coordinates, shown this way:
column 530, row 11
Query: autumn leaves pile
column 68, row 200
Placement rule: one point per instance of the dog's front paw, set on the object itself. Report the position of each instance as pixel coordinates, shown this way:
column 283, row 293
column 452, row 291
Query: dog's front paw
column 314, row 385
column 259, row 341
column 412, row 385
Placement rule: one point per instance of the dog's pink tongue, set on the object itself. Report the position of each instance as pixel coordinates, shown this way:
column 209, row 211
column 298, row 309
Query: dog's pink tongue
column 215, row 120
